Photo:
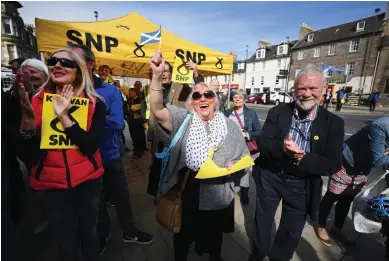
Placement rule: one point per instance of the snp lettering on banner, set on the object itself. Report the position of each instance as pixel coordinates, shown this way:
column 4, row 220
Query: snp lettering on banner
column 110, row 42
column 197, row 58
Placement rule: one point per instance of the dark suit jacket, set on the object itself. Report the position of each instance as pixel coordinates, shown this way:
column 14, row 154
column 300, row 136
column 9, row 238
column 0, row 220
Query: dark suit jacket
column 251, row 122
column 324, row 159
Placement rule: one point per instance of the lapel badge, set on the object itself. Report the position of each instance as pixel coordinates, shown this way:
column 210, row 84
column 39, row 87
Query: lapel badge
column 316, row 137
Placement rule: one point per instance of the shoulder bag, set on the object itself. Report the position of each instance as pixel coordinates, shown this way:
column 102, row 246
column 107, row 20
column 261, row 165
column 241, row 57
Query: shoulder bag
column 251, row 144
column 169, row 209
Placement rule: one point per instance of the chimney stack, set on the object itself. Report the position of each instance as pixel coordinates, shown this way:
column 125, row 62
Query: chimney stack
column 263, row 43
column 234, row 55
column 305, row 30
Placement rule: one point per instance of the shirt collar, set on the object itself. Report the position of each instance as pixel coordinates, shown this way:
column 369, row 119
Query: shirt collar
column 311, row 116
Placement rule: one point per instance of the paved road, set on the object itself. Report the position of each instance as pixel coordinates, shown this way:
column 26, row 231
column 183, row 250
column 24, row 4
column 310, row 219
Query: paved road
column 353, row 122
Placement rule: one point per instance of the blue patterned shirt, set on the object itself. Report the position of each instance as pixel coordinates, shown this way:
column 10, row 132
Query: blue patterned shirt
column 300, row 129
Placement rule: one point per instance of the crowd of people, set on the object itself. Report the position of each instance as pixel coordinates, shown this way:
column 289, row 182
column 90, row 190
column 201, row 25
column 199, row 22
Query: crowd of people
column 299, row 143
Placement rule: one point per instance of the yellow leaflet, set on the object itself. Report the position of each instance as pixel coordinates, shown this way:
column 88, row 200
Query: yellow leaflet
column 210, row 170
column 53, row 134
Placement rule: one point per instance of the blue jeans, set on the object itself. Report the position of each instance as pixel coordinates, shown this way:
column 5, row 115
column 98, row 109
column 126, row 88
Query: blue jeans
column 72, row 217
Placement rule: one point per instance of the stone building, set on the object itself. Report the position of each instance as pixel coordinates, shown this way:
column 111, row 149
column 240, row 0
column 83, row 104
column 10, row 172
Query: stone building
column 349, row 47
column 17, row 39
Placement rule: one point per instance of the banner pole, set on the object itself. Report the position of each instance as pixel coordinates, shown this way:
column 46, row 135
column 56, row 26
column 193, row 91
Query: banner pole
column 160, row 40
column 229, row 91
column 42, row 56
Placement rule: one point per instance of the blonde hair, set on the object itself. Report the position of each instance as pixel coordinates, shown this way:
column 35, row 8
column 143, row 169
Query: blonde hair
column 82, row 83
column 189, row 101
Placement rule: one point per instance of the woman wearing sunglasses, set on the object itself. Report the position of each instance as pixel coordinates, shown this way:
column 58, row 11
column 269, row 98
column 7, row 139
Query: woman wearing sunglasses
column 208, row 205
column 68, row 179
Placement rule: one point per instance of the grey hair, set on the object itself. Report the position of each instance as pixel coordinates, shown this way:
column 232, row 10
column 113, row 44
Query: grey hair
column 37, row 64
column 88, row 53
column 240, row 92
column 310, row 69
column 189, row 101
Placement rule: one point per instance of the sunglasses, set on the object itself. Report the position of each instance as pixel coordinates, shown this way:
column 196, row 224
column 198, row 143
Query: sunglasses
column 207, row 95
column 63, row 61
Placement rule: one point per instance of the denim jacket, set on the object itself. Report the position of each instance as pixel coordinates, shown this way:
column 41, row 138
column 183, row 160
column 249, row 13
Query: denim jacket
column 366, row 148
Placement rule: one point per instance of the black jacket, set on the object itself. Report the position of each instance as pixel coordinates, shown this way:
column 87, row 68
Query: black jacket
column 325, row 158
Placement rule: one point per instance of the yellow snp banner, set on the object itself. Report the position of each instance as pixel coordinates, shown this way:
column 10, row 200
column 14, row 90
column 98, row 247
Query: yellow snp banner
column 53, row 134
column 117, row 43
column 181, row 73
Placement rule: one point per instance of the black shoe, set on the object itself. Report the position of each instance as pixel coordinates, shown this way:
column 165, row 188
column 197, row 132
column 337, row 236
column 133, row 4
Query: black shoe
column 141, row 238
column 103, row 248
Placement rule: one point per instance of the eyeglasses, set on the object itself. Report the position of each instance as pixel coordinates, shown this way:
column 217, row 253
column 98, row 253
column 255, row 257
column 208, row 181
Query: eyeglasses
column 207, row 95
column 63, row 61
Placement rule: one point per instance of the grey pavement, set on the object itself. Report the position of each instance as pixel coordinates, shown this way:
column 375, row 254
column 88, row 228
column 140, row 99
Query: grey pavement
column 236, row 246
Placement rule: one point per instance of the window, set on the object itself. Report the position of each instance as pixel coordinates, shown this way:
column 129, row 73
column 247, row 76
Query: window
column 297, row 72
column 350, row 68
column 21, row 33
column 15, row 29
column 282, row 49
column 279, row 64
column 20, row 54
column 354, row 46
column 7, row 26
column 263, row 65
column 11, row 51
column 331, row 49
column 300, row 55
column 361, row 26
column 262, row 80
column 277, row 80
column 261, row 53
column 316, row 52
column 310, row 37
column 253, row 67
column 241, row 66
column 252, row 80
column 386, row 90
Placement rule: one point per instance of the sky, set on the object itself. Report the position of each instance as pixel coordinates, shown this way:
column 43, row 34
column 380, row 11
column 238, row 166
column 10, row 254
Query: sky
column 222, row 26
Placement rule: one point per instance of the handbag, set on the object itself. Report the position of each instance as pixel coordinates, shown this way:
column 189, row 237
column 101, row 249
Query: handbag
column 251, row 144
column 169, row 209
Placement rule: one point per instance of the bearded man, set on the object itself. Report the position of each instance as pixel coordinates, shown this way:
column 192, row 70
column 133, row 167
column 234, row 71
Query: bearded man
column 299, row 143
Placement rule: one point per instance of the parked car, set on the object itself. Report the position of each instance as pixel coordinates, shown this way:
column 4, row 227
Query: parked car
column 278, row 97
column 365, row 99
column 255, row 98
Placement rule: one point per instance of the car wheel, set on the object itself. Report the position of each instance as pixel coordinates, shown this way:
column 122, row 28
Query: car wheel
column 277, row 102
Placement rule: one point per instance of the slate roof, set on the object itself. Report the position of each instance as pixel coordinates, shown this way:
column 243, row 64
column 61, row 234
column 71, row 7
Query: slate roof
column 235, row 67
column 271, row 53
column 341, row 32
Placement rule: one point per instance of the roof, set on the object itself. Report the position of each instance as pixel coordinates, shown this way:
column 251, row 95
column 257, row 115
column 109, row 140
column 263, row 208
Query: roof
column 341, row 32
column 235, row 67
column 16, row 4
column 271, row 53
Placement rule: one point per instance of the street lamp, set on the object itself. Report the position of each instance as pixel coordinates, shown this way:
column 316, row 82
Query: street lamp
column 96, row 13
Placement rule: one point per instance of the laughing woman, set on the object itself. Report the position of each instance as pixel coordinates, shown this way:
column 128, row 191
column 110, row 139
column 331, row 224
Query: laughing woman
column 208, row 204
column 68, row 179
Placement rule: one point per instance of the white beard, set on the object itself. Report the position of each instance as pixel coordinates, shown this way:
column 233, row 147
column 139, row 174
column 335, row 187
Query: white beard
column 306, row 105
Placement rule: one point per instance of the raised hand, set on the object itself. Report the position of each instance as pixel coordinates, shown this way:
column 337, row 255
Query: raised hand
column 157, row 64
column 191, row 65
column 25, row 105
column 61, row 103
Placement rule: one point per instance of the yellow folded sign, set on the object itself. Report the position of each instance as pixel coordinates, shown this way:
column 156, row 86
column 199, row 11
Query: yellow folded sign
column 53, row 134
column 181, row 74
column 210, row 170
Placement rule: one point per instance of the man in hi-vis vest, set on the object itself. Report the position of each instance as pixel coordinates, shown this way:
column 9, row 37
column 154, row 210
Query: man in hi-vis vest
column 175, row 94
column 136, row 119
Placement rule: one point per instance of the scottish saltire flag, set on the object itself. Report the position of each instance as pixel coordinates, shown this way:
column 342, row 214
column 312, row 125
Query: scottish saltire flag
column 152, row 37
column 326, row 68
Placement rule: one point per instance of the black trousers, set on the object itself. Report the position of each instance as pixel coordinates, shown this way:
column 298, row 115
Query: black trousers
column 338, row 105
column 341, row 209
column 326, row 102
column 116, row 190
column 372, row 105
column 271, row 188
column 138, row 134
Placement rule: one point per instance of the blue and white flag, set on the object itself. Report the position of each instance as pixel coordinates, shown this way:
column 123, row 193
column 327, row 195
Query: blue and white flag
column 150, row 38
column 326, row 68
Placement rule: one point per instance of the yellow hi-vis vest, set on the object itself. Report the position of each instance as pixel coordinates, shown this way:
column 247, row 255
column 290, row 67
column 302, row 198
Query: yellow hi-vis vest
column 147, row 98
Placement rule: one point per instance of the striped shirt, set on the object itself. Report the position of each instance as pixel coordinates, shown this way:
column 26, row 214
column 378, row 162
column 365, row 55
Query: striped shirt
column 300, row 129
